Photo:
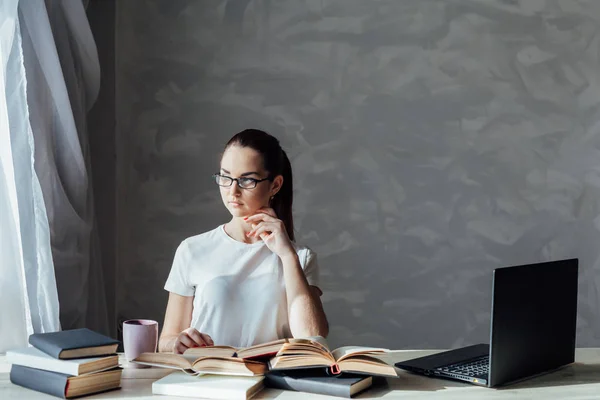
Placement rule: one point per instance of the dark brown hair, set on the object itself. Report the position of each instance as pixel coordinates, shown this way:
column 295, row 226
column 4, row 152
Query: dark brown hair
column 276, row 162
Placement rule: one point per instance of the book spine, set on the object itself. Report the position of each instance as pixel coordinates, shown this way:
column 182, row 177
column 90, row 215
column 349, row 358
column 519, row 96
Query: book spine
column 41, row 344
column 48, row 382
column 306, row 386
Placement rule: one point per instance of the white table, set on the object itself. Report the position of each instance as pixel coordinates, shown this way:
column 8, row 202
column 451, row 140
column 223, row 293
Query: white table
column 580, row 380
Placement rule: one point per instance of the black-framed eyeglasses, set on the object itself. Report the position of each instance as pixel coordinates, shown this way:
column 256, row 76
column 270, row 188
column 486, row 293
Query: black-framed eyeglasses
column 243, row 182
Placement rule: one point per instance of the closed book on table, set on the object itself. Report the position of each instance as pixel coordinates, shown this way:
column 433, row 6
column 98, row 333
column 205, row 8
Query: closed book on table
column 63, row 385
column 75, row 343
column 208, row 386
column 35, row 358
column 343, row 385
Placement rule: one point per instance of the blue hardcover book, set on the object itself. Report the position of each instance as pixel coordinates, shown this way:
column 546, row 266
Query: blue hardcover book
column 75, row 343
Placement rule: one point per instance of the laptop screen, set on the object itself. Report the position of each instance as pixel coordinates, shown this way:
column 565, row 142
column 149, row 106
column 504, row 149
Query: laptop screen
column 533, row 324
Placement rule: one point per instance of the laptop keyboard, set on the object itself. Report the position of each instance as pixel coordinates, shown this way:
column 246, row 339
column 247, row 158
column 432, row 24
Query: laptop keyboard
column 476, row 367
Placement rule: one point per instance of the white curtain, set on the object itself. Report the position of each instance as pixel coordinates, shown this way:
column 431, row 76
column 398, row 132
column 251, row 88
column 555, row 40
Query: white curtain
column 28, row 292
column 50, row 77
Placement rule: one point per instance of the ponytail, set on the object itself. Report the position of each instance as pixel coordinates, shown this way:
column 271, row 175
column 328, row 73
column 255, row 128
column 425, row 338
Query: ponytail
column 282, row 202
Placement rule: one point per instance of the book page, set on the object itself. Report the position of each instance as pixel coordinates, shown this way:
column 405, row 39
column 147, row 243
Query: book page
column 210, row 351
column 368, row 365
column 277, row 342
column 262, row 350
column 167, row 360
column 316, row 341
column 319, row 339
column 188, row 371
column 229, row 366
column 342, row 353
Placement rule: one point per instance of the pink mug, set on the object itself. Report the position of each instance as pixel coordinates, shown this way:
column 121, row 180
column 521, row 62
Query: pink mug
column 139, row 336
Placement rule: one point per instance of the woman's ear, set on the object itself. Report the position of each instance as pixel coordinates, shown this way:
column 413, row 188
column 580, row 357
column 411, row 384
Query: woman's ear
column 277, row 183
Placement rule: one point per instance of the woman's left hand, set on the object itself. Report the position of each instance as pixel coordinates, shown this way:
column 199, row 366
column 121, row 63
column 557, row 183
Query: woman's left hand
column 271, row 230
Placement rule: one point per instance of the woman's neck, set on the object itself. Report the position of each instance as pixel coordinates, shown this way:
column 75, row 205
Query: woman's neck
column 237, row 229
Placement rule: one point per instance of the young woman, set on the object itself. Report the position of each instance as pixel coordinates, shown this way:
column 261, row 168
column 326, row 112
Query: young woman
column 245, row 282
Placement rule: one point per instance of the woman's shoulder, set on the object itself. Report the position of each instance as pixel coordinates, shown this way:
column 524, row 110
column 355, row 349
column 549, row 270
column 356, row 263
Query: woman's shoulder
column 203, row 239
column 306, row 256
column 303, row 251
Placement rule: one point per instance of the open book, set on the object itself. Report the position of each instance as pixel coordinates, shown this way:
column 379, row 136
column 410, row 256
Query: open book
column 203, row 365
column 262, row 351
column 313, row 353
column 283, row 354
column 223, row 360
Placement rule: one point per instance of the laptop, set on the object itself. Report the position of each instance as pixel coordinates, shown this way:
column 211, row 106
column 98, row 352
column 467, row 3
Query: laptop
column 533, row 320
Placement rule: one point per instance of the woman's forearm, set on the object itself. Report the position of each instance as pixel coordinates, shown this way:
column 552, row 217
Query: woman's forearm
column 306, row 314
column 166, row 343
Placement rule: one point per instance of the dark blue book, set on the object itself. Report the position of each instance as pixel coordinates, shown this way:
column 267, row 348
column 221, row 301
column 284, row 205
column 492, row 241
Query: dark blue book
column 62, row 385
column 75, row 343
column 313, row 381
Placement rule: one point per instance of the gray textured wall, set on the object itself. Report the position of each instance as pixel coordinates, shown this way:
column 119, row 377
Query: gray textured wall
column 101, row 129
column 431, row 141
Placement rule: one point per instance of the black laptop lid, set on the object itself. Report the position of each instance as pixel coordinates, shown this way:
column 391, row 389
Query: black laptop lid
column 534, row 314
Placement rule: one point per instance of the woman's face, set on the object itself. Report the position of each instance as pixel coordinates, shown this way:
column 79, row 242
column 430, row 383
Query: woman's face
column 244, row 162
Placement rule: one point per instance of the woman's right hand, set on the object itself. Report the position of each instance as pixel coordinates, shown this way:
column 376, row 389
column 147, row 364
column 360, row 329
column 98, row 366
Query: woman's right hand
column 191, row 338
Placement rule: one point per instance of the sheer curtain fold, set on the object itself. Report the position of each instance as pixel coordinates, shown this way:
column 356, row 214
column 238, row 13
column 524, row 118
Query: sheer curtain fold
column 27, row 284
column 63, row 71
column 14, row 321
column 51, row 78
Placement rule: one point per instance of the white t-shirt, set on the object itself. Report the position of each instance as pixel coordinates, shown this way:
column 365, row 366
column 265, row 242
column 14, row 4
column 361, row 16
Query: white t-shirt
column 238, row 288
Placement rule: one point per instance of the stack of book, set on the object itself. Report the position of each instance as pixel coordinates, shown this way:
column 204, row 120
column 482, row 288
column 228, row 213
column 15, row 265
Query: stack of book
column 305, row 365
column 67, row 364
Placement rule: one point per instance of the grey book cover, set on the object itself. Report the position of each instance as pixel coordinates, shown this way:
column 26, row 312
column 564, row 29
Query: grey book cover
column 52, row 383
column 311, row 381
column 54, row 343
